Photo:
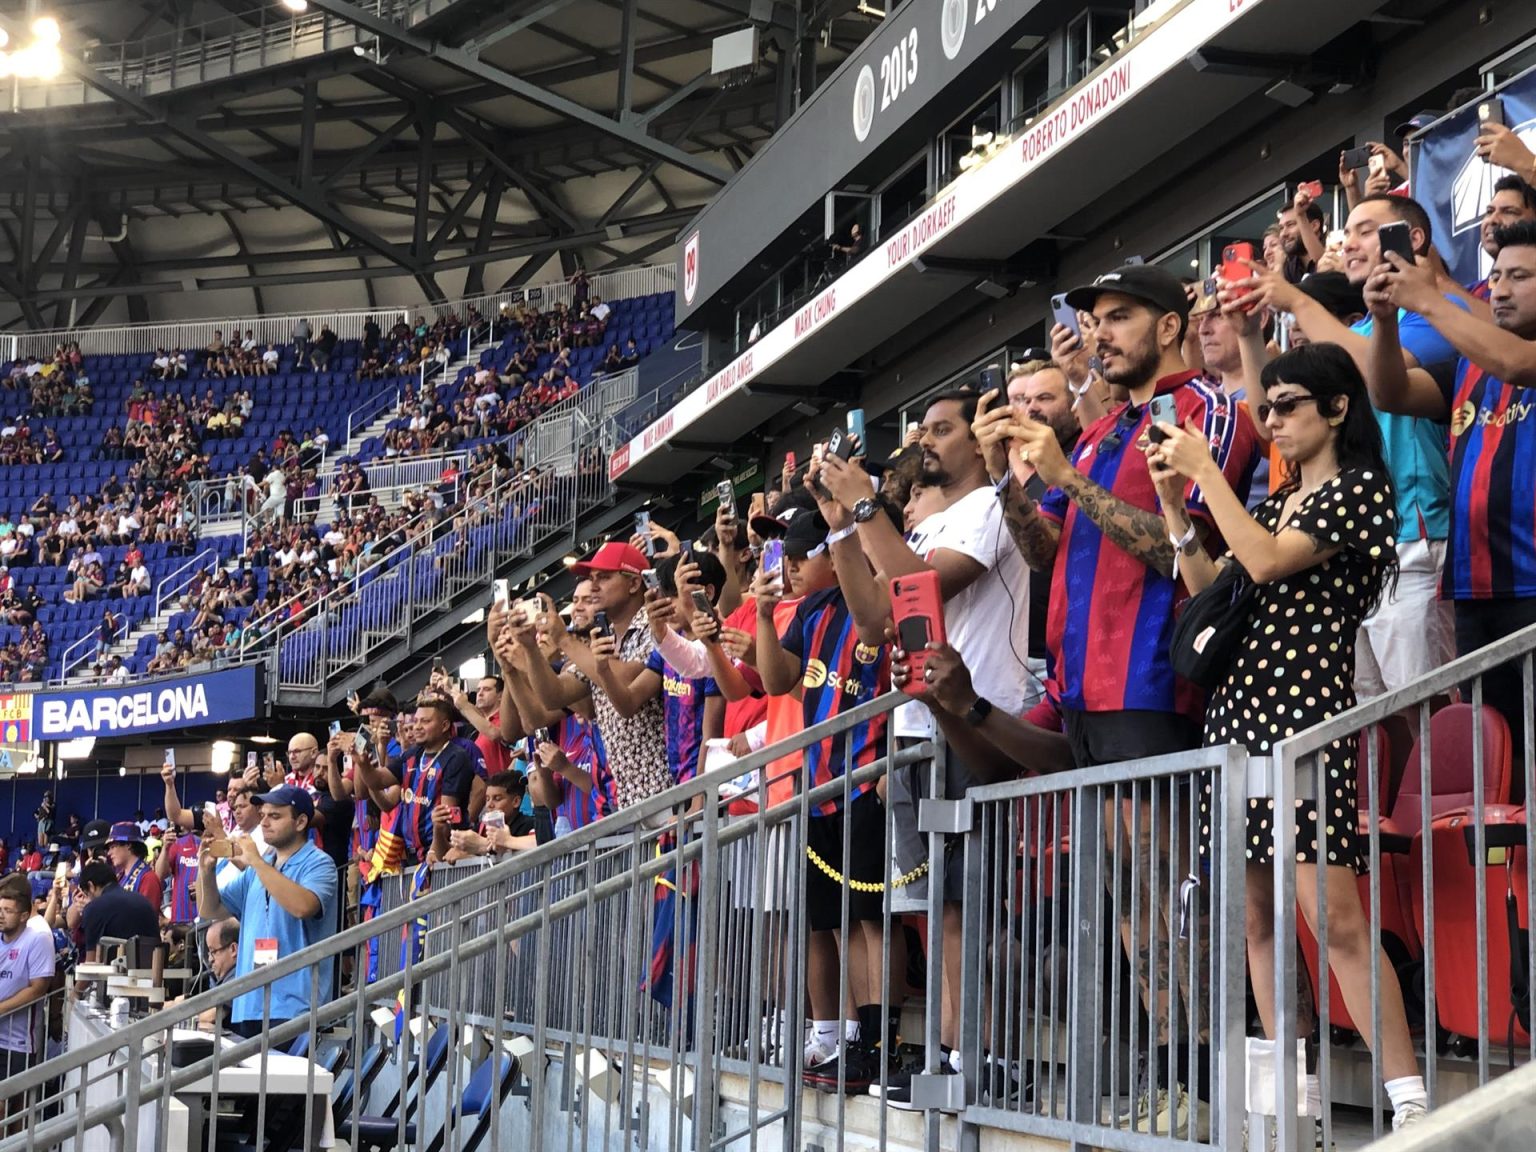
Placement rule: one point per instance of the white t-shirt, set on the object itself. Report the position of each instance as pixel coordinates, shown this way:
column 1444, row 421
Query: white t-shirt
column 269, row 356
column 987, row 622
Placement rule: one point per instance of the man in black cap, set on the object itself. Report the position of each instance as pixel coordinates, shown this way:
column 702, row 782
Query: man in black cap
column 1114, row 585
column 109, row 910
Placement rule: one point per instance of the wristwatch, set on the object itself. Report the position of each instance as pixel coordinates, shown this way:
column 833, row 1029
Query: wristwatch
column 865, row 510
column 978, row 712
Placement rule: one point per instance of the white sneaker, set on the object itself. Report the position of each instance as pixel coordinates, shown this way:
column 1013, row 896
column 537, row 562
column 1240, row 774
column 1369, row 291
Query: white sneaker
column 1411, row 1113
column 1172, row 1113
column 817, row 1052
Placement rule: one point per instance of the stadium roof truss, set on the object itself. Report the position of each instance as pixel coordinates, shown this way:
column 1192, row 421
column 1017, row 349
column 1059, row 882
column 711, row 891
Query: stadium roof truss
column 200, row 146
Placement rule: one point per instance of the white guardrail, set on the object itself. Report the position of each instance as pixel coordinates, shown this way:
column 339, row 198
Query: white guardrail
column 348, row 324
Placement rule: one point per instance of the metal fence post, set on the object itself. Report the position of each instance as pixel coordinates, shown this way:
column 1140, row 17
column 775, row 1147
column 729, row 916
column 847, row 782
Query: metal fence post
column 1083, row 1028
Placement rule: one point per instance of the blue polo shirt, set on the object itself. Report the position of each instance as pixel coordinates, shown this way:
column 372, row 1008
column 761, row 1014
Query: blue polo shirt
column 1418, row 450
column 262, row 917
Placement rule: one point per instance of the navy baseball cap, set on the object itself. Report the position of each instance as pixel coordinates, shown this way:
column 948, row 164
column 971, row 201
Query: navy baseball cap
column 290, row 796
column 1418, row 122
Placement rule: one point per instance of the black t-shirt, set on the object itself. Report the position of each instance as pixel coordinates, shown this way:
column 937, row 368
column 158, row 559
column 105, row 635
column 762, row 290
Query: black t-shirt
column 336, row 834
column 119, row 914
column 520, row 824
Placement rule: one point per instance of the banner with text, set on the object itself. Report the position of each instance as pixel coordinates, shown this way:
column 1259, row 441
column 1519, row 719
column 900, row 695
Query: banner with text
column 1455, row 184
column 130, row 709
column 1158, row 52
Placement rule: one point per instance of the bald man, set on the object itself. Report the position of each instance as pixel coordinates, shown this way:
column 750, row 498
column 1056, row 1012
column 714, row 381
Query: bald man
column 332, row 827
column 303, row 759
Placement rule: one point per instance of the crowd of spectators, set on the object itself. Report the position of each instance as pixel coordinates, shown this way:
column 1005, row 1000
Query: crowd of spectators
column 1325, row 415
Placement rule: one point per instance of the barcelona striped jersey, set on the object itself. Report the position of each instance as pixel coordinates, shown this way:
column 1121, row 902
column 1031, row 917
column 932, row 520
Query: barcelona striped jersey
column 838, row 673
column 683, row 699
column 1491, row 551
column 1111, row 616
column 583, row 747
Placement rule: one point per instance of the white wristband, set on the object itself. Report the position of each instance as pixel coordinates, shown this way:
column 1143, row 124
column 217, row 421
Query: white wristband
column 841, row 534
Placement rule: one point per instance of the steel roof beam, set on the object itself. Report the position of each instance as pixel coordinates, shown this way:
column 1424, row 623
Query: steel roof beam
column 185, row 129
column 472, row 65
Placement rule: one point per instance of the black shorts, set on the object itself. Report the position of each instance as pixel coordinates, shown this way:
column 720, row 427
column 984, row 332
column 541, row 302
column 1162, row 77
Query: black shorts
column 1111, row 737
column 14, row 1063
column 865, row 822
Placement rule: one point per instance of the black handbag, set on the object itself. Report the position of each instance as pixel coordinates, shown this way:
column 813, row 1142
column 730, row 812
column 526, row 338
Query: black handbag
column 1212, row 625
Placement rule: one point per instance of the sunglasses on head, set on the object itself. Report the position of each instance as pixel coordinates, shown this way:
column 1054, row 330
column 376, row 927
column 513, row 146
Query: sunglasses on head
column 1284, row 406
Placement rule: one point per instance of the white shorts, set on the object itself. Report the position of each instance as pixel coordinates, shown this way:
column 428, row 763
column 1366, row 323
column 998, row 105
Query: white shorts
column 778, row 869
column 1413, row 631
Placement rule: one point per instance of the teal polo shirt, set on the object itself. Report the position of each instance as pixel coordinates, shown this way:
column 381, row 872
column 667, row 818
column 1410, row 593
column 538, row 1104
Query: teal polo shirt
column 1418, row 450
column 262, row 917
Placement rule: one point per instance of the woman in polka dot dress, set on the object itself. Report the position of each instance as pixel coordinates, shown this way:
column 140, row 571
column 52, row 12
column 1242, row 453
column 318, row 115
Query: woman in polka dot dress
column 1321, row 551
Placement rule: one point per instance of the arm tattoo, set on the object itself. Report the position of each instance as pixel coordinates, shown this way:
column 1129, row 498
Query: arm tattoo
column 1141, row 533
column 1033, row 535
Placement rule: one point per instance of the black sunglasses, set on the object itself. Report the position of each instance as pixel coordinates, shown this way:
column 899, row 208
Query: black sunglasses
column 1283, row 407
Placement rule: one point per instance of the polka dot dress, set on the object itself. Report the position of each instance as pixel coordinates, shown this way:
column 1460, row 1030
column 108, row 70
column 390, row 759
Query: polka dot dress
column 1296, row 667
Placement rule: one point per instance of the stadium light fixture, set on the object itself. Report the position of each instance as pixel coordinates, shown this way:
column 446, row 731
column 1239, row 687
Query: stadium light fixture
column 39, row 60
column 223, row 758
column 79, row 748
column 296, row 5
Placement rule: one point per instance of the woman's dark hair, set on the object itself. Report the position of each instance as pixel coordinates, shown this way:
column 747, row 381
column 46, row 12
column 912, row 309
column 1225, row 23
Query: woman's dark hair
column 1328, row 372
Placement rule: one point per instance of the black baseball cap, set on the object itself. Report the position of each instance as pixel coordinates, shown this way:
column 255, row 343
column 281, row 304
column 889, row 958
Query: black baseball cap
column 1334, row 292
column 805, row 535
column 1146, row 282
column 94, row 834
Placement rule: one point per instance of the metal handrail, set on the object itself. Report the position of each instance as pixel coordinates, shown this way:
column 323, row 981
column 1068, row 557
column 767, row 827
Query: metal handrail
column 372, row 408
column 347, row 324
column 631, row 821
column 413, row 528
column 163, row 591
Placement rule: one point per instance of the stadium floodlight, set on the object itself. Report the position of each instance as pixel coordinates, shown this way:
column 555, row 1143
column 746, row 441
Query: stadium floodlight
column 296, row 5
column 223, row 757
column 78, row 748
column 39, row 60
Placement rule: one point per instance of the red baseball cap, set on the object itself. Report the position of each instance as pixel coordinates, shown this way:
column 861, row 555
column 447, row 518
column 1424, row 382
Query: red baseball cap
column 614, row 556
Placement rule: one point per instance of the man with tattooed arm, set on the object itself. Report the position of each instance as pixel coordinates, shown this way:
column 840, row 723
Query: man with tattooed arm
column 1114, row 589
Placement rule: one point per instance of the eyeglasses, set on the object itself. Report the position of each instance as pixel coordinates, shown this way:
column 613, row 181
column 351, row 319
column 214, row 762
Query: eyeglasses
column 1283, row 407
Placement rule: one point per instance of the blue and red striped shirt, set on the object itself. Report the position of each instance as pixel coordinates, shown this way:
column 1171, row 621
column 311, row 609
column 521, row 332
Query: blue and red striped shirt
column 683, row 699
column 182, row 853
column 1491, row 551
column 838, row 673
column 1111, row 617
column 583, row 746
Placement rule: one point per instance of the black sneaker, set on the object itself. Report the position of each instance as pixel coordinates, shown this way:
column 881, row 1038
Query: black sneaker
column 1001, row 1085
column 898, row 1088
column 859, row 1065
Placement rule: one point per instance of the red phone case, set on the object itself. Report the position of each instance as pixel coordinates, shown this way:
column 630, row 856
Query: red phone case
column 1233, row 267
column 917, row 608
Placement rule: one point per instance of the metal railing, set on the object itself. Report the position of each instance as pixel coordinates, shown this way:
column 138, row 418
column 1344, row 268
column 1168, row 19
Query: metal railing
column 592, row 1003
column 1447, row 849
column 382, row 401
column 347, row 324
column 226, row 45
column 643, row 977
column 439, row 566
column 1098, row 961
column 173, row 584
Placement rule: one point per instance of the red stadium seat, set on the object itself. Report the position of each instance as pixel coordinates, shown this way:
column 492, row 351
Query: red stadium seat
column 1455, row 917
column 1397, row 932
